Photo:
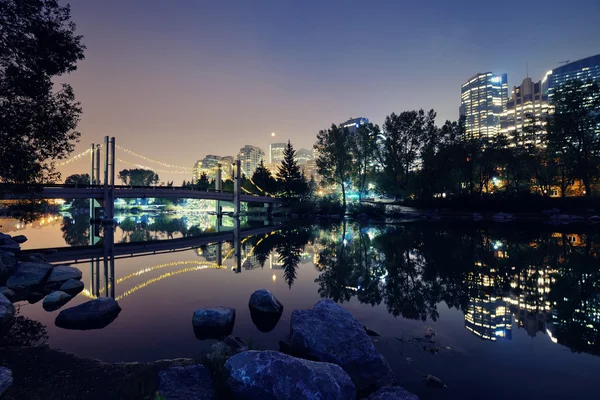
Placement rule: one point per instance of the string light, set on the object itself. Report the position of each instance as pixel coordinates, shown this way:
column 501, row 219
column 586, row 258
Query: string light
column 152, row 160
column 74, row 158
column 153, row 169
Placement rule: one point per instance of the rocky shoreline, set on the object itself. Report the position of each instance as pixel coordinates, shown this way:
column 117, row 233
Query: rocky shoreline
column 328, row 354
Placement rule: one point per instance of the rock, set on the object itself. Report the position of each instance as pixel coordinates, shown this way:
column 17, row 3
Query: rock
column 34, row 297
column 7, row 313
column 271, row 375
column 27, row 275
column 370, row 331
column 235, row 343
column 94, row 314
column 35, row 257
column 62, row 273
column 72, row 287
column 19, row 239
column 7, row 264
column 193, row 382
column 265, row 310
column 434, row 381
column 8, row 244
column 56, row 300
column 213, row 323
column 6, row 292
column 329, row 333
column 6, row 380
column 392, row 393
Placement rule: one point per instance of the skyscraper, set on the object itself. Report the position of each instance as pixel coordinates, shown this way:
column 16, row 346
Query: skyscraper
column 250, row 157
column 353, row 123
column 483, row 100
column 303, row 156
column 276, row 152
column 583, row 70
column 525, row 101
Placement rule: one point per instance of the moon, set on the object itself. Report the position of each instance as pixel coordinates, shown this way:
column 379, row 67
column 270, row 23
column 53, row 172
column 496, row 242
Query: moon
column 272, row 134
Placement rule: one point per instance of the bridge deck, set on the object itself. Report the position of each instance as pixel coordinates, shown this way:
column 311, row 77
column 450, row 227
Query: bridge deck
column 122, row 192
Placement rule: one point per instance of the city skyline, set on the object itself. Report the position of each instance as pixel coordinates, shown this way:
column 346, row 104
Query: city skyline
column 176, row 72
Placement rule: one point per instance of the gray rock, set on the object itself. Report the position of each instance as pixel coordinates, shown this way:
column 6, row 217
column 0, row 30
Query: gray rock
column 392, row 393
column 265, row 302
column 27, row 275
column 271, row 375
column 9, row 294
column 19, row 239
column 94, row 314
column 213, row 323
column 193, row 382
column 72, row 287
column 7, row 313
column 7, row 264
column 6, row 380
column 56, row 300
column 329, row 333
column 8, row 244
column 265, row 310
column 62, row 273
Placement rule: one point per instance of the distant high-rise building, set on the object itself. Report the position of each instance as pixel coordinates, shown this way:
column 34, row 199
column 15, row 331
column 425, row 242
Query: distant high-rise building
column 276, row 152
column 525, row 101
column 250, row 157
column 353, row 123
column 483, row 100
column 208, row 165
column 583, row 70
column 303, row 156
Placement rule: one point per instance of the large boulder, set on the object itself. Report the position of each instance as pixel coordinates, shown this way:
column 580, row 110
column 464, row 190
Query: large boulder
column 193, row 382
column 329, row 333
column 7, row 244
column 72, row 287
column 7, row 312
column 6, row 380
column 56, row 300
column 265, row 310
column 10, row 294
column 94, row 314
column 213, row 323
column 392, row 393
column 28, row 275
column 271, row 375
column 7, row 264
column 19, row 238
column 62, row 273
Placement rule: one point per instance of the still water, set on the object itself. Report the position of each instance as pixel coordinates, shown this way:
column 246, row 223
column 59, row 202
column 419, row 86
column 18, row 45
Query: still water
column 515, row 310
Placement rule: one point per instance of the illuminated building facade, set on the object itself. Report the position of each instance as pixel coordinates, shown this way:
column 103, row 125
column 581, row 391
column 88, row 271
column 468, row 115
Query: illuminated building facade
column 582, row 70
column 303, row 156
column 276, row 152
column 353, row 124
column 209, row 164
column 525, row 101
column 483, row 100
column 250, row 157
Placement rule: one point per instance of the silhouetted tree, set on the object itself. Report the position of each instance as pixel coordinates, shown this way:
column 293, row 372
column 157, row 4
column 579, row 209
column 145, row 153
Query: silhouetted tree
column 78, row 179
column 292, row 183
column 263, row 179
column 138, row 177
column 37, row 125
column 364, row 151
column 334, row 157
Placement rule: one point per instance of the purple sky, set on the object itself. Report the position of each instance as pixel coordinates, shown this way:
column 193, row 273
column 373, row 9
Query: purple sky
column 176, row 80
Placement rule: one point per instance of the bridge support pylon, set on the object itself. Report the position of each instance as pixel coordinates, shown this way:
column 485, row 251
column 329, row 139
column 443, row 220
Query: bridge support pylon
column 237, row 187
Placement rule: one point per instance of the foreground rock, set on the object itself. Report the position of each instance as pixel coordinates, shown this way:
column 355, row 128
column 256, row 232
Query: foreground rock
column 265, row 310
column 193, row 382
column 94, row 314
column 271, row 375
column 6, row 380
column 8, row 244
column 213, row 323
column 392, row 393
column 62, row 273
column 7, row 313
column 19, row 238
column 72, row 287
column 28, row 275
column 331, row 334
column 7, row 264
column 56, row 300
column 7, row 292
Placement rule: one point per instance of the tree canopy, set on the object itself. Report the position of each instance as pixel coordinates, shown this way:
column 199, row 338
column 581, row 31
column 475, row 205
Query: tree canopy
column 38, row 43
column 138, row 177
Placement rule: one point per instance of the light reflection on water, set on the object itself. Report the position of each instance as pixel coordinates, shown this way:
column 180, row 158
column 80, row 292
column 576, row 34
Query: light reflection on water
column 510, row 306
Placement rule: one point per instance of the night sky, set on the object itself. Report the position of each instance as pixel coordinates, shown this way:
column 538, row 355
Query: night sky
column 176, row 80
